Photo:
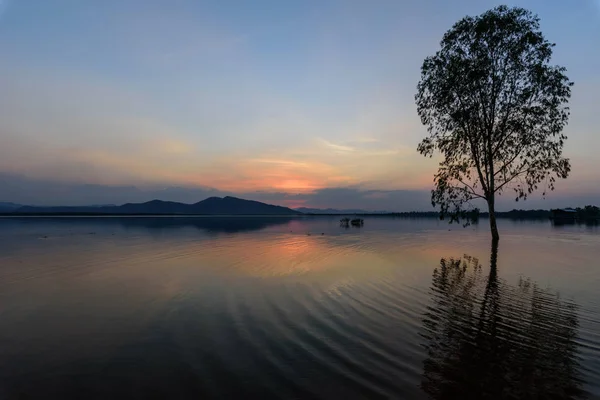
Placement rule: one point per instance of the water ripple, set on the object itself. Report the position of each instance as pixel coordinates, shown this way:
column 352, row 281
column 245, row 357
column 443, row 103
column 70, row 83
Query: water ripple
column 139, row 311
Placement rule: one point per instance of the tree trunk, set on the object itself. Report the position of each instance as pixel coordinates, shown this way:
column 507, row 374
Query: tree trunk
column 489, row 307
column 493, row 226
column 494, row 256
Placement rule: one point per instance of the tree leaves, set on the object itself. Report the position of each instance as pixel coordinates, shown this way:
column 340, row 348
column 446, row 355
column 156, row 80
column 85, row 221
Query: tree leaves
column 495, row 108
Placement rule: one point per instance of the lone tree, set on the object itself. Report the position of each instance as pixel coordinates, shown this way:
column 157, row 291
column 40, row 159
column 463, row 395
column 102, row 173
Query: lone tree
column 495, row 109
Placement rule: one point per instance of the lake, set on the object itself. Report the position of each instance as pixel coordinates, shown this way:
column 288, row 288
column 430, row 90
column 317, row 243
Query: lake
column 140, row 307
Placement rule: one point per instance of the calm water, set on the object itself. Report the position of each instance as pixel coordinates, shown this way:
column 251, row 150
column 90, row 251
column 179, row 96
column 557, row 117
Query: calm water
column 234, row 308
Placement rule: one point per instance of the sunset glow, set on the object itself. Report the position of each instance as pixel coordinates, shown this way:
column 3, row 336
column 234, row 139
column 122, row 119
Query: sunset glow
column 215, row 99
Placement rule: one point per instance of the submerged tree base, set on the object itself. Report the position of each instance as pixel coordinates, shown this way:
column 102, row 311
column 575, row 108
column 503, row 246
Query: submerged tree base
column 346, row 222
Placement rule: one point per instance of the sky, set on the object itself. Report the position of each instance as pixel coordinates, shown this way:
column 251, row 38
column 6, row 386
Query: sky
column 301, row 103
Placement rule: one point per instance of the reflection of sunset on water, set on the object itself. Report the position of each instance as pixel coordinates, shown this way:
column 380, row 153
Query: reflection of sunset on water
column 177, row 291
column 293, row 254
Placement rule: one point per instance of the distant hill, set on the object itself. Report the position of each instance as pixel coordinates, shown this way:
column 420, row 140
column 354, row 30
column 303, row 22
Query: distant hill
column 305, row 210
column 211, row 206
column 8, row 207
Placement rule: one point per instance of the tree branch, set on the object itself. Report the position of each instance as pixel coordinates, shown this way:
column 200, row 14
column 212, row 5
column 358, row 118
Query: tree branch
column 473, row 192
column 507, row 181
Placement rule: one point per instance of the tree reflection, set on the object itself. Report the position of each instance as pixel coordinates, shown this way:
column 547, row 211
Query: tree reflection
column 486, row 339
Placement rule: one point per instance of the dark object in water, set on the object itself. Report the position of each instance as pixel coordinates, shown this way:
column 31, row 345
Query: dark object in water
column 357, row 222
column 346, row 222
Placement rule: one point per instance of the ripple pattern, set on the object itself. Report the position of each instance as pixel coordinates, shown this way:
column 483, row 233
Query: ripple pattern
column 303, row 310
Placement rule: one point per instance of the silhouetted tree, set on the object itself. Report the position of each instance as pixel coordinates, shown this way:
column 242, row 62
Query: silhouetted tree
column 486, row 339
column 495, row 108
column 588, row 213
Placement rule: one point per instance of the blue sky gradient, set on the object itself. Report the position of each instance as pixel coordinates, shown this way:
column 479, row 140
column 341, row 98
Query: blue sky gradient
column 276, row 100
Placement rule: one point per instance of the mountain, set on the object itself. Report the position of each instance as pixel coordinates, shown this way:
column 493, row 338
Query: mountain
column 305, row 210
column 234, row 205
column 155, row 207
column 9, row 207
column 211, row 206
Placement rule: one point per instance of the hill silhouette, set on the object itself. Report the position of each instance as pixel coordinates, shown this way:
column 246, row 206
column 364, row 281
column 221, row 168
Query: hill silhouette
column 9, row 207
column 211, row 206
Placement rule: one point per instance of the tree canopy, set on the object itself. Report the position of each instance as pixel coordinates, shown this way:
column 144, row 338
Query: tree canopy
column 495, row 108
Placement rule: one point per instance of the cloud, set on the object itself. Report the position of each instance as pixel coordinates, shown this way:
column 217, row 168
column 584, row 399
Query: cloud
column 185, row 99
column 377, row 195
column 98, row 134
column 338, row 148
column 114, row 151
column 284, row 163
column 23, row 190
column 367, row 140
column 246, row 174
column 91, row 133
column 33, row 191
column 409, row 200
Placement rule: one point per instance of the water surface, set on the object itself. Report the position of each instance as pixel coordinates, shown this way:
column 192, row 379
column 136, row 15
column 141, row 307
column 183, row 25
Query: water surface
column 297, row 308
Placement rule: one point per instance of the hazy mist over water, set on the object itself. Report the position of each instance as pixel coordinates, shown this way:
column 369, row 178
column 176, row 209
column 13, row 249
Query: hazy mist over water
column 296, row 308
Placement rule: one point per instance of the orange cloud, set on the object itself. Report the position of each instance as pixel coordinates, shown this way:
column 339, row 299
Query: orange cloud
column 269, row 174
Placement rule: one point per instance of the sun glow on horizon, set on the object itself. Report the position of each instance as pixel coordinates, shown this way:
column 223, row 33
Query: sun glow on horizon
column 216, row 98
